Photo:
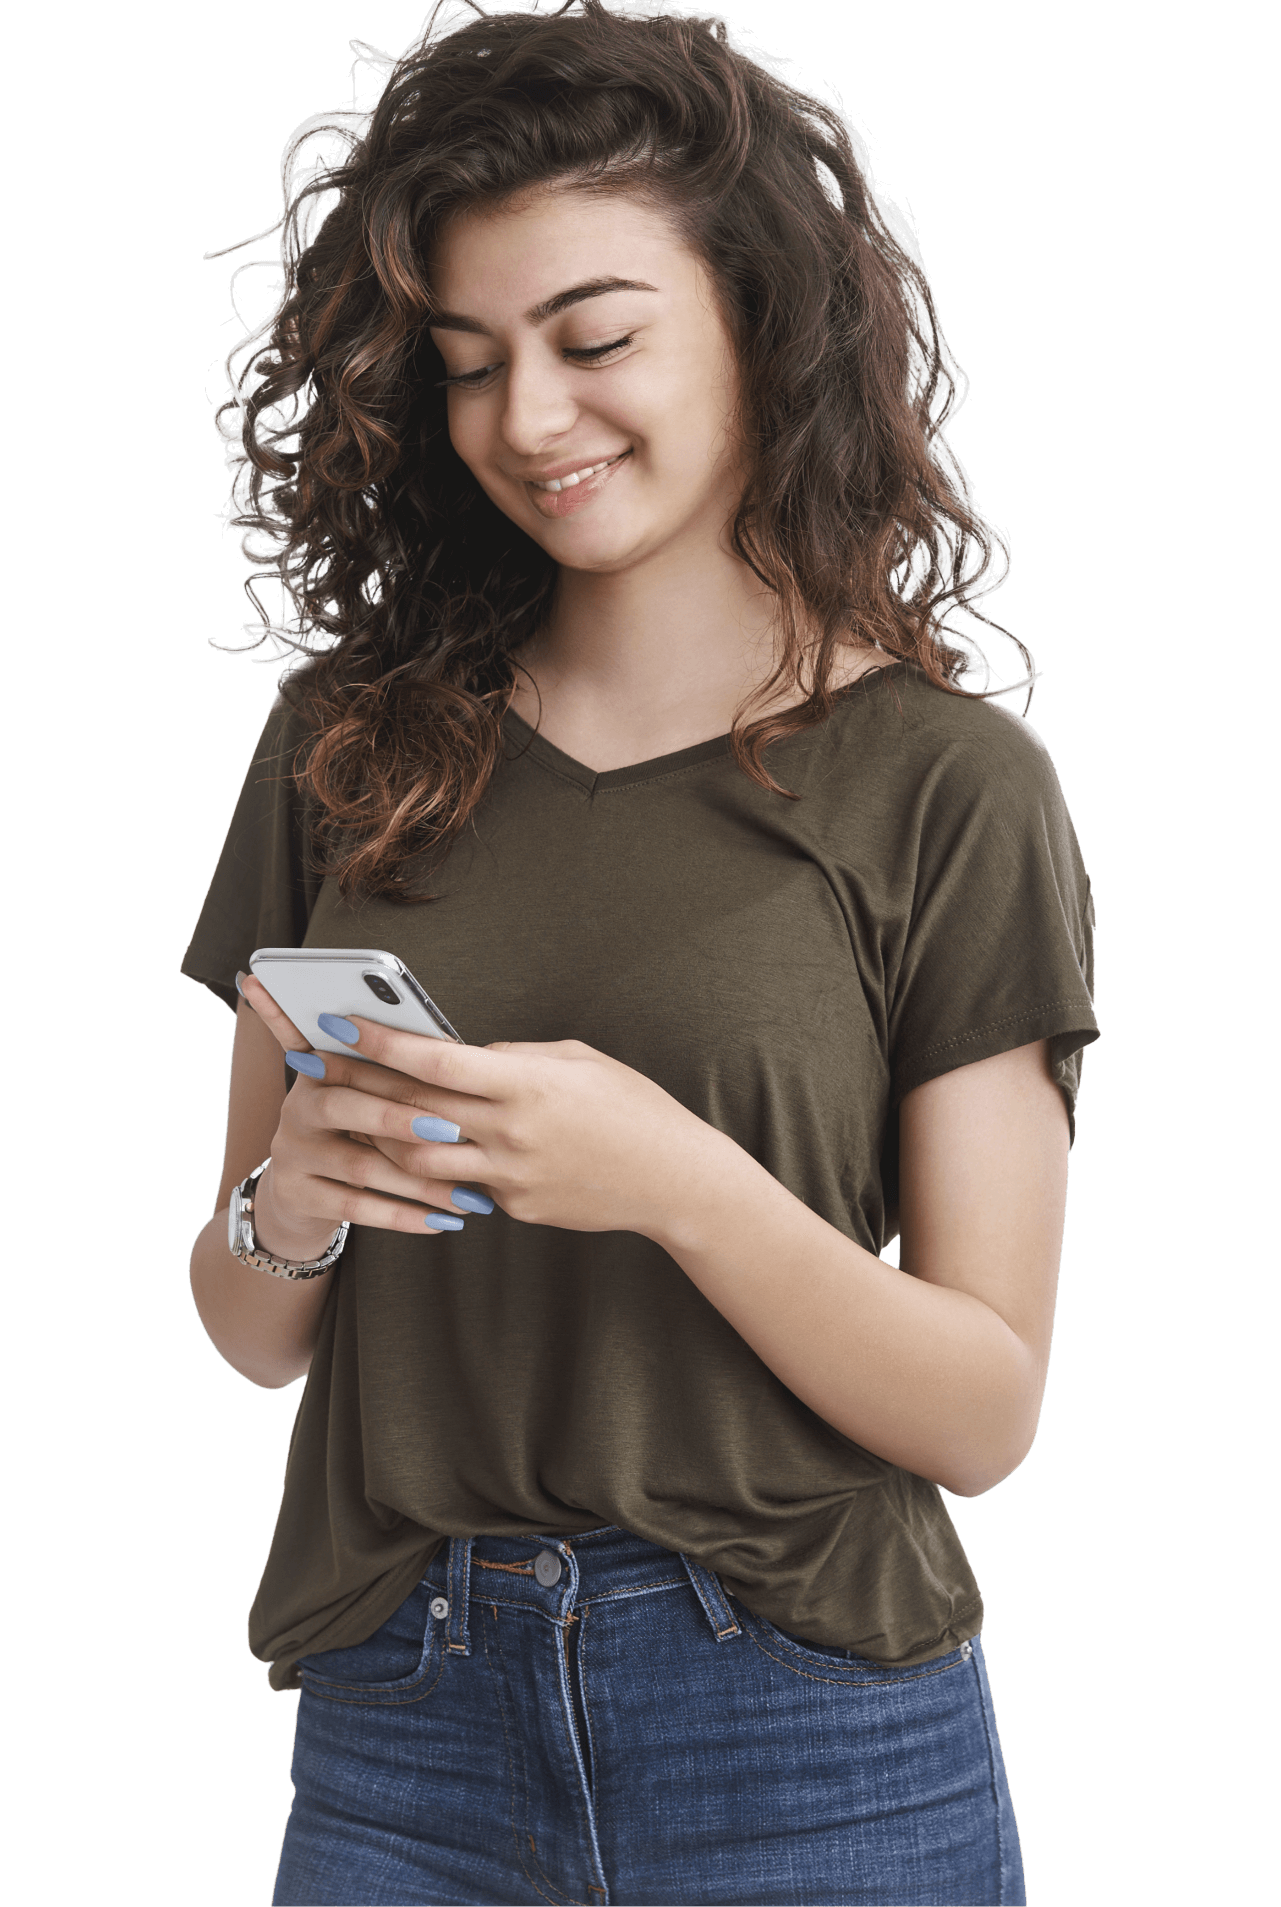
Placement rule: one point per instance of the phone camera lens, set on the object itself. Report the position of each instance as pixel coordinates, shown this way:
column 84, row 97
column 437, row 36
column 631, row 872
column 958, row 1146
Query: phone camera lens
column 381, row 989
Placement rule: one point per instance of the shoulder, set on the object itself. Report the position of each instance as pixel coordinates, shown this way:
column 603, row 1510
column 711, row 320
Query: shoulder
column 292, row 720
column 971, row 727
column 918, row 737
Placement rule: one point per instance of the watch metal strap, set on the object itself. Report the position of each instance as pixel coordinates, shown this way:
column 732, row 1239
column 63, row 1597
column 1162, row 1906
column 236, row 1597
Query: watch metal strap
column 264, row 1260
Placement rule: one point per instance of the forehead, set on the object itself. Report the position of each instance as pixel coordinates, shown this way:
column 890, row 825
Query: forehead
column 512, row 256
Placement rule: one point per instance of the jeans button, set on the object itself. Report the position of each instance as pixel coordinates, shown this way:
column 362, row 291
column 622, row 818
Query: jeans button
column 547, row 1568
column 439, row 1608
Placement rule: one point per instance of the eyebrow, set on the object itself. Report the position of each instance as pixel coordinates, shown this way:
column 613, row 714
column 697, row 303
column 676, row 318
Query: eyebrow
column 550, row 307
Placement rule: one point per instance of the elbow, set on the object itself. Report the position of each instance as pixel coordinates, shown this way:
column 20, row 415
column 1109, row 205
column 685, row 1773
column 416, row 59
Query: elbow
column 269, row 1377
column 977, row 1488
column 277, row 1379
column 976, row 1479
column 1013, row 1419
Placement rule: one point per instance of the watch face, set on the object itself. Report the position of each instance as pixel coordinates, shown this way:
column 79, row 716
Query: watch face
column 233, row 1220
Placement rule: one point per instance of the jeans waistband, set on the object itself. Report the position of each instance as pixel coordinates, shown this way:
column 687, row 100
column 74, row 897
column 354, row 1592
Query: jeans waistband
column 558, row 1575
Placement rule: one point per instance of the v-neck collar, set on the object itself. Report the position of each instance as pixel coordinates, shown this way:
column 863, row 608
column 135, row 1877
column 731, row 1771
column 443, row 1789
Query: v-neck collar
column 528, row 741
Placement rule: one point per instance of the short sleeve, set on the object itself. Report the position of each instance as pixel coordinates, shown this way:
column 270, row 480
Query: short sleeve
column 263, row 889
column 999, row 950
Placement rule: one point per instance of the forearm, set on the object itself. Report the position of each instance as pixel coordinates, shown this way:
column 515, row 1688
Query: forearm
column 928, row 1377
column 265, row 1327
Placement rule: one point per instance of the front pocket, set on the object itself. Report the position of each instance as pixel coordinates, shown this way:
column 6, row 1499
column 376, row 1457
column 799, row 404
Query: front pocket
column 820, row 1658
column 399, row 1662
column 832, row 1654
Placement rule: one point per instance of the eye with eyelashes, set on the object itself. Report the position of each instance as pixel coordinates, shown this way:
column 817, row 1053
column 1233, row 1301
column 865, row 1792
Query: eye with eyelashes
column 585, row 355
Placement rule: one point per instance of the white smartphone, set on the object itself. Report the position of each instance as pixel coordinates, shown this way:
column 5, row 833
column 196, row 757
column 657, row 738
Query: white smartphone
column 308, row 981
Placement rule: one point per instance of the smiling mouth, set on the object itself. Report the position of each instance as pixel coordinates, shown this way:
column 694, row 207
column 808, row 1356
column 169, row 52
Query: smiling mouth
column 556, row 484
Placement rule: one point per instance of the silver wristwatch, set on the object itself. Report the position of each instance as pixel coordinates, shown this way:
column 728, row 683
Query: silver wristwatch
column 240, row 1236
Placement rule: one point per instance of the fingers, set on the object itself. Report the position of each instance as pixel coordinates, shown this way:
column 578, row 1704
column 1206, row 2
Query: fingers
column 421, row 1146
column 346, row 1109
column 343, row 1152
column 408, row 1121
column 364, row 1142
column 282, row 1027
column 333, row 1202
column 343, row 1180
column 296, row 1045
column 438, row 1169
column 355, row 1097
column 460, row 1070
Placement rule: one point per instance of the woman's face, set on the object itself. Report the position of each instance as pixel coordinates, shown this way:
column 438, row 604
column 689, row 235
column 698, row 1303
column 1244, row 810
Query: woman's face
column 582, row 338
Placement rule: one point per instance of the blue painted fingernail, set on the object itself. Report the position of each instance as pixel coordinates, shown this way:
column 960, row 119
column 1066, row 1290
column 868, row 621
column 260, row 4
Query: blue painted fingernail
column 239, row 977
column 442, row 1222
column 309, row 1063
column 469, row 1201
column 443, row 1131
column 338, row 1028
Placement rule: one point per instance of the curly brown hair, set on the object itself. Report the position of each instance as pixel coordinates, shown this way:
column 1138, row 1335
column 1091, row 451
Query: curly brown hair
column 412, row 590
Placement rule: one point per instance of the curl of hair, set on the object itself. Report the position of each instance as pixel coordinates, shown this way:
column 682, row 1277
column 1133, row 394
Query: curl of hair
column 412, row 591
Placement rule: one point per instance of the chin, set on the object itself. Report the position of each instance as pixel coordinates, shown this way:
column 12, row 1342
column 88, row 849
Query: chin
column 602, row 549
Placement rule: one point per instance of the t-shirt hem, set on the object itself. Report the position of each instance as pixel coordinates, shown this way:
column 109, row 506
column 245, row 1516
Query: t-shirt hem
column 962, row 1625
column 357, row 1623
column 1053, row 1019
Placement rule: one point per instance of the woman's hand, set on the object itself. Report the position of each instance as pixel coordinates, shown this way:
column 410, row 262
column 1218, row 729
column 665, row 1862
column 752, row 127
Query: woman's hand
column 332, row 1152
column 556, row 1133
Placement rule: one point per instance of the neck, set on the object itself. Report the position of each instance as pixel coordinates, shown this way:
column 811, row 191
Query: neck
column 633, row 651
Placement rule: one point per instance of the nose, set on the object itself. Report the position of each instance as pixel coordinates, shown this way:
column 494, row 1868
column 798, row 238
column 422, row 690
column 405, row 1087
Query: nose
column 540, row 405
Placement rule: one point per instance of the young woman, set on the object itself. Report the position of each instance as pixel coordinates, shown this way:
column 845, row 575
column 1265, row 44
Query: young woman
column 612, row 1563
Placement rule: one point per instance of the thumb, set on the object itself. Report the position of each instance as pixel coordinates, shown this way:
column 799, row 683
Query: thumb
column 255, row 995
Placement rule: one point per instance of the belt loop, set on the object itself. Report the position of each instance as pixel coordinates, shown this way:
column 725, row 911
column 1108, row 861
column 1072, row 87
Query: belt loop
column 712, row 1597
column 459, row 1588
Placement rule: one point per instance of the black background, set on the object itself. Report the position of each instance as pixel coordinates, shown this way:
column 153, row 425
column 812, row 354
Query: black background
column 988, row 161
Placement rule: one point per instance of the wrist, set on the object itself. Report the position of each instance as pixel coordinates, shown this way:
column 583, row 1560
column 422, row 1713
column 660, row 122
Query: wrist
column 275, row 1233
column 716, row 1177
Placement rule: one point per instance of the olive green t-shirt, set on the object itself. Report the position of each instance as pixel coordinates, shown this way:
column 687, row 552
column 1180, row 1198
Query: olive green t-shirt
column 788, row 970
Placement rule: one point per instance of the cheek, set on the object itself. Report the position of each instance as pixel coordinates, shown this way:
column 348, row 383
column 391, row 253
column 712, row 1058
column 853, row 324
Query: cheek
column 467, row 432
column 698, row 427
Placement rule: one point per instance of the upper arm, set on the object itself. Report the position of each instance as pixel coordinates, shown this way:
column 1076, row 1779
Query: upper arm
column 984, row 1153
column 258, row 1086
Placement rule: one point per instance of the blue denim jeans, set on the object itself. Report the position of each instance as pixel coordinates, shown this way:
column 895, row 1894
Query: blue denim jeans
column 591, row 1719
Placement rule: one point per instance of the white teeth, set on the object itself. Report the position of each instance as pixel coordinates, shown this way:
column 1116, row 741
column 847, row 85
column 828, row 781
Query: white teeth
column 575, row 476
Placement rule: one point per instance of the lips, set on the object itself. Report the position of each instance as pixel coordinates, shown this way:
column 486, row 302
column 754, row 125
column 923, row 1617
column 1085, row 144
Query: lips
column 569, row 497
column 572, row 470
